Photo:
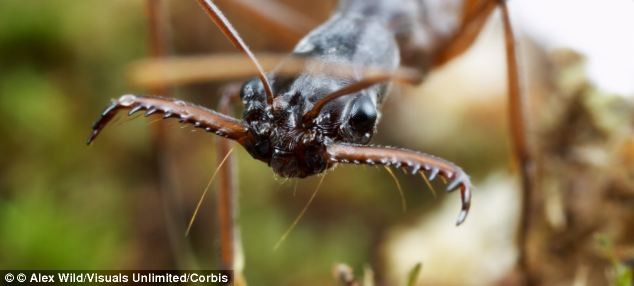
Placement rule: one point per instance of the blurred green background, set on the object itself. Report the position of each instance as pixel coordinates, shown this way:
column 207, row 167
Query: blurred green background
column 61, row 207
column 64, row 205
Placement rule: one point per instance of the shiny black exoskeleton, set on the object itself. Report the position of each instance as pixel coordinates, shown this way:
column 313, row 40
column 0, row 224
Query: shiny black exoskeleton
column 280, row 136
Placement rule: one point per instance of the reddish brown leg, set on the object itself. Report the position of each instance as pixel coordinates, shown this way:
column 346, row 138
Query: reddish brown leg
column 227, row 209
column 165, row 199
column 182, row 70
column 523, row 157
column 282, row 23
column 232, row 256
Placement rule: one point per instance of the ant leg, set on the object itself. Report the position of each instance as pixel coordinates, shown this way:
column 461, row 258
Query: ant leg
column 474, row 15
column 181, row 70
column 162, row 187
column 150, row 73
column 518, row 115
column 281, row 22
column 231, row 256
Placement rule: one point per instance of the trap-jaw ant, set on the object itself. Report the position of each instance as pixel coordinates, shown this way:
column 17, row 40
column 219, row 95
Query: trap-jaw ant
column 304, row 124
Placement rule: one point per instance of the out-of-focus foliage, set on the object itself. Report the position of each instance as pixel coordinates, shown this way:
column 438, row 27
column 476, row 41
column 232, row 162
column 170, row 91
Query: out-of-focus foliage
column 65, row 205
column 57, row 59
column 621, row 275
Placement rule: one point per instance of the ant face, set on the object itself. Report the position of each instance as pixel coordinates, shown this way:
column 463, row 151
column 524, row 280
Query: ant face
column 277, row 135
column 283, row 138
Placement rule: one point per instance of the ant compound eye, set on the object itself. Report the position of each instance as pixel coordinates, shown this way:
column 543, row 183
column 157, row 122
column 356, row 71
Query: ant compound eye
column 254, row 100
column 251, row 90
column 363, row 115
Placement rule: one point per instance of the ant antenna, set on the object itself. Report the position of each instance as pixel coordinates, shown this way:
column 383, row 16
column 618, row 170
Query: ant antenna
column 202, row 197
column 225, row 26
column 398, row 187
column 301, row 214
column 346, row 90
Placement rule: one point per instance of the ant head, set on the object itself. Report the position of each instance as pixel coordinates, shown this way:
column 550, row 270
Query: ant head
column 292, row 133
column 276, row 135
